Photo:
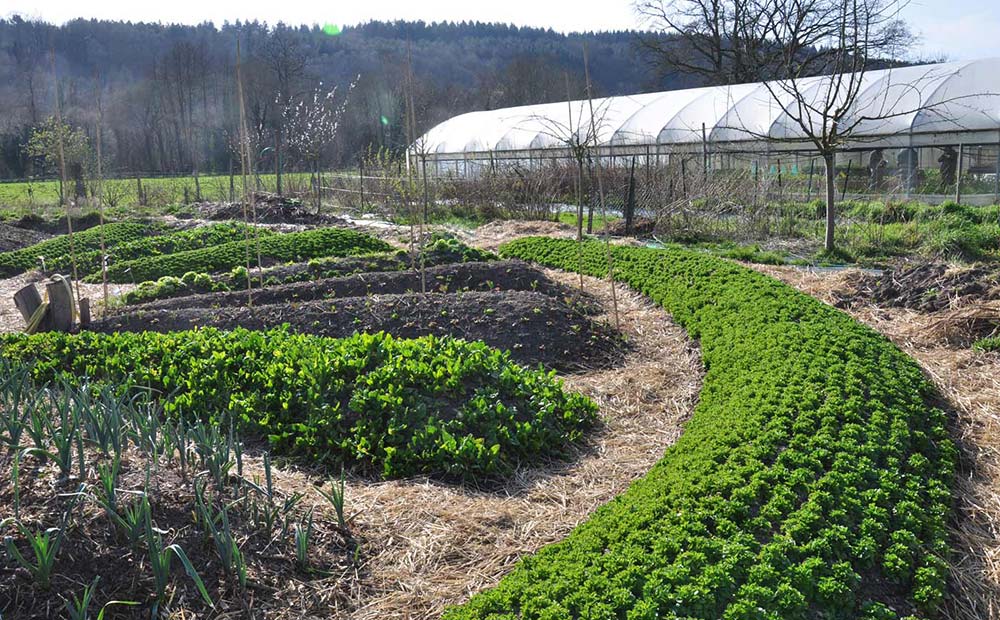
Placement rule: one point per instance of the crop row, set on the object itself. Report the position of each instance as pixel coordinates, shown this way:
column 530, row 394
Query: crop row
column 275, row 248
column 400, row 407
column 440, row 250
column 56, row 251
column 811, row 482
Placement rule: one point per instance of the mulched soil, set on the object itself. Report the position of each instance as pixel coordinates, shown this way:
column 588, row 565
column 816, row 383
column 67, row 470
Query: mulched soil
column 501, row 275
column 14, row 238
column 536, row 328
column 93, row 547
column 927, row 287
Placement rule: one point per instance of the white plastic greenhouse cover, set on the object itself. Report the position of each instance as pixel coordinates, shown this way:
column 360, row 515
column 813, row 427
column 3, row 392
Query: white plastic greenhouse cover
column 893, row 105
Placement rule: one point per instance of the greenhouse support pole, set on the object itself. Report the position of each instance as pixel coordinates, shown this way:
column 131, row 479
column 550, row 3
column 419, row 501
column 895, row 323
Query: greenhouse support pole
column 958, row 175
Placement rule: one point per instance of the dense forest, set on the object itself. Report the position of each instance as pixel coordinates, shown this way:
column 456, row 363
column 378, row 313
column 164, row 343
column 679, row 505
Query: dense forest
column 165, row 95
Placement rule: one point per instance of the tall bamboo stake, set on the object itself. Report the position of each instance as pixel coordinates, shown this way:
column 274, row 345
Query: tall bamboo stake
column 62, row 176
column 600, row 189
column 100, row 194
column 244, row 157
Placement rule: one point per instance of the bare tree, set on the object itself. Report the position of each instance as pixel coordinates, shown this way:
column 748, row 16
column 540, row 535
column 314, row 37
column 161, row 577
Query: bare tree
column 287, row 62
column 784, row 43
column 312, row 125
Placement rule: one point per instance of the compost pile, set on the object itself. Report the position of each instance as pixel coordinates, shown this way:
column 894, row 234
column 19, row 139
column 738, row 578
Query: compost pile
column 270, row 209
column 926, row 288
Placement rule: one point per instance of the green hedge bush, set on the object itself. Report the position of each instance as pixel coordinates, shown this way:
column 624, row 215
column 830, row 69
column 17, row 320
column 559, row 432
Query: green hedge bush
column 402, row 407
column 811, row 482
column 57, row 249
column 287, row 247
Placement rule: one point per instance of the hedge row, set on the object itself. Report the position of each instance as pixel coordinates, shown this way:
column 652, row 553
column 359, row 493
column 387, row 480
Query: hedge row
column 56, row 250
column 287, row 247
column 811, row 482
column 402, row 407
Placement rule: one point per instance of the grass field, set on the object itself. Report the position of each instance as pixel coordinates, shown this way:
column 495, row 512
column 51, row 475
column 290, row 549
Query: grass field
column 19, row 197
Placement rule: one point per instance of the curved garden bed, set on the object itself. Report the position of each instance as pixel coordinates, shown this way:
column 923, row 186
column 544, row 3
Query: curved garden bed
column 812, row 481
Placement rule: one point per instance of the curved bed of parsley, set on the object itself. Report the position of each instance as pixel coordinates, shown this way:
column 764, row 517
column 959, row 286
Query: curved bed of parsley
column 811, row 482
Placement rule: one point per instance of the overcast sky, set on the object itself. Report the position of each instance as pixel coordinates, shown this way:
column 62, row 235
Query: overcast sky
column 959, row 29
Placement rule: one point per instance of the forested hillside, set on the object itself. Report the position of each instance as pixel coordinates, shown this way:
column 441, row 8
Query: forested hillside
column 166, row 93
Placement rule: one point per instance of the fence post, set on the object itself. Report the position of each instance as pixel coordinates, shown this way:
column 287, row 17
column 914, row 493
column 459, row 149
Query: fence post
column 361, row 178
column 847, row 177
column 958, row 174
column 996, row 177
column 812, row 169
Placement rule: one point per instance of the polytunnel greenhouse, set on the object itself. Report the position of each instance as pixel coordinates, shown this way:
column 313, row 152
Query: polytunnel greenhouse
column 925, row 110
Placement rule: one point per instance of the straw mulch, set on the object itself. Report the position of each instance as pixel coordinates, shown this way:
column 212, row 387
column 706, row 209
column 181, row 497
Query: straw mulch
column 431, row 545
column 12, row 321
column 970, row 382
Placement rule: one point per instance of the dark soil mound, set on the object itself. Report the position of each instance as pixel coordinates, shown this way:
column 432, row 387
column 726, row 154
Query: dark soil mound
column 927, row 288
column 270, row 209
column 57, row 226
column 641, row 226
column 534, row 327
column 495, row 275
column 14, row 238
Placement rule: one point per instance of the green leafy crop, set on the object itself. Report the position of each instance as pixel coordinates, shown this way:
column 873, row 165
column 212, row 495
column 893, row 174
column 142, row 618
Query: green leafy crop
column 400, row 407
column 287, row 247
column 811, row 482
column 56, row 251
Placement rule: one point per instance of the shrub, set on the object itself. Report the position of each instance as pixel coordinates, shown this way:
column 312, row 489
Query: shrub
column 402, row 407
column 287, row 247
column 811, row 482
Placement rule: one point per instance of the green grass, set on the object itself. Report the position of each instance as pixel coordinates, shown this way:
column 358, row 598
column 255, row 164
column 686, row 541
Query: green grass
column 436, row 406
column 22, row 196
column 812, row 481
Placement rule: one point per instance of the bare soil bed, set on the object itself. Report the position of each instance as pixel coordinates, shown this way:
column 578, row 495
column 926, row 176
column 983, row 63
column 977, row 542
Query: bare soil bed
column 969, row 381
column 14, row 238
column 536, row 328
column 502, row 275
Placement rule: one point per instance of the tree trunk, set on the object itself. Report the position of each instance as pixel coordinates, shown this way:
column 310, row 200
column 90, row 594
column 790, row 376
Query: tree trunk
column 831, row 198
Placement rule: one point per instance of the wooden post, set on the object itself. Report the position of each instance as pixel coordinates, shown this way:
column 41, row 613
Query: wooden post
column 996, row 177
column 847, row 177
column 27, row 301
column 85, row 312
column 361, row 177
column 812, row 169
column 60, row 305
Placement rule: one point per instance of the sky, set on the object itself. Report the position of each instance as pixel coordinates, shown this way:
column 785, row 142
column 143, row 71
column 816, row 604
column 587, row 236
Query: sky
column 956, row 29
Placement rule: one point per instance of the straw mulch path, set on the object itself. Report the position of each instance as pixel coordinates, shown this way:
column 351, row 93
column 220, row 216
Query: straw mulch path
column 430, row 545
